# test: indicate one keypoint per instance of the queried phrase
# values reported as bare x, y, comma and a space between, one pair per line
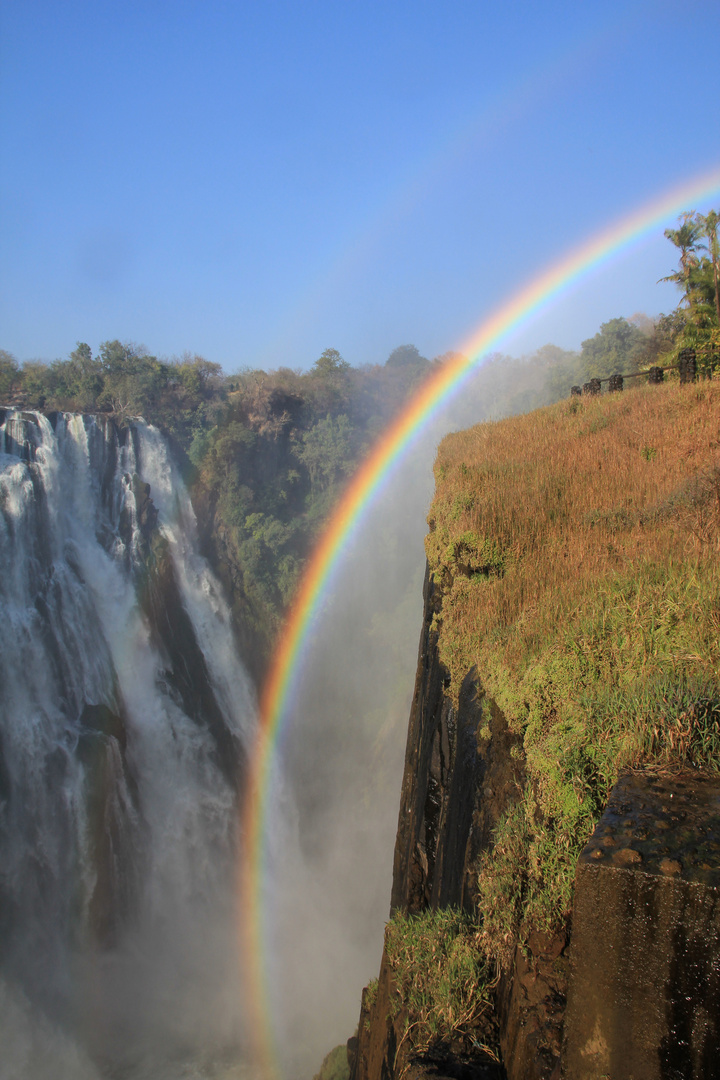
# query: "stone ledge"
644, 994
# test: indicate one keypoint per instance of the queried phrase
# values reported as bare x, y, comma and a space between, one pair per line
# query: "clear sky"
258, 181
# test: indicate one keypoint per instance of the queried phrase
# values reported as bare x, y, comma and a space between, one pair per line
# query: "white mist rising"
343, 748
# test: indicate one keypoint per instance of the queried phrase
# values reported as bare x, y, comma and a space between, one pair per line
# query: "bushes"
444, 982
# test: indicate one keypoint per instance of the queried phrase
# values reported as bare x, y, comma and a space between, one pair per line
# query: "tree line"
267, 452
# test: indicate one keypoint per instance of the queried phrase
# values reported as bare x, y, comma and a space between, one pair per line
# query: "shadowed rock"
644, 995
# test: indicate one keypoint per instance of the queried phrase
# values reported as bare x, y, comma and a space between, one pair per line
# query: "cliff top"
576, 550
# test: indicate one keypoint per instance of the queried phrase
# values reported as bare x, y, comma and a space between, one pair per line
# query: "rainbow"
287, 661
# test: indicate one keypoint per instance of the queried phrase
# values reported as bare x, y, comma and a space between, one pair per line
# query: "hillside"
571, 633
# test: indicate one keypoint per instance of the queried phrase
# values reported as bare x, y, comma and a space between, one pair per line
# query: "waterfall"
124, 717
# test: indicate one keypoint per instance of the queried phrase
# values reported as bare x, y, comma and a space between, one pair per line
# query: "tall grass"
444, 985
577, 549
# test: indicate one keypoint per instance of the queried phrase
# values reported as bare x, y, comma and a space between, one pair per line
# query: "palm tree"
686, 239
709, 228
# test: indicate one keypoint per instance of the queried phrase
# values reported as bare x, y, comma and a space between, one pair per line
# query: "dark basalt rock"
185, 672
460, 778
457, 783
111, 804
644, 997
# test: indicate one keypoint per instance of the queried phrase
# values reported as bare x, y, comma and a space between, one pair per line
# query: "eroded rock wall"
463, 770
456, 784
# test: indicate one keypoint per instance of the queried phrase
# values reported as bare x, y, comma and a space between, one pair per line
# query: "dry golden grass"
568, 494
577, 550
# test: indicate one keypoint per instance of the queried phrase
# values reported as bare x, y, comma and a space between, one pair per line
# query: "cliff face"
459, 778
464, 770
569, 637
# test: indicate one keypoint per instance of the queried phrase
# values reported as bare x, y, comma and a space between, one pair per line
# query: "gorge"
568, 639
560, 782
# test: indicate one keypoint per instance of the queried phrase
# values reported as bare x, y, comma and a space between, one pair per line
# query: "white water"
118, 828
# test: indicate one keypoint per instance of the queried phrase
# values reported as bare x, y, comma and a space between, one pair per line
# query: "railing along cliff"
686, 366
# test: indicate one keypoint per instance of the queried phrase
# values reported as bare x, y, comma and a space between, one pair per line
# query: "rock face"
456, 783
463, 770
644, 997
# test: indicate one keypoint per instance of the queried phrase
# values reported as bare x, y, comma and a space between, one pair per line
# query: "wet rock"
644, 993
460, 778
670, 867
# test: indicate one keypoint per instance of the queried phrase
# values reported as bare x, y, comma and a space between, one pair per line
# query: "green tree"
709, 227
325, 450
133, 380
80, 379
563, 369
406, 356
330, 362
37, 383
617, 347
9, 371
685, 238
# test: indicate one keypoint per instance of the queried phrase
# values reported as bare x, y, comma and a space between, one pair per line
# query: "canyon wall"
569, 642
461, 776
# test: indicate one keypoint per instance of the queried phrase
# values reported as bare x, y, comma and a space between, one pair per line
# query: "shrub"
444, 981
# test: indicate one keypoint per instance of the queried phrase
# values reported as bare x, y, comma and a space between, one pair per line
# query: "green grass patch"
444, 980
630, 678
335, 1065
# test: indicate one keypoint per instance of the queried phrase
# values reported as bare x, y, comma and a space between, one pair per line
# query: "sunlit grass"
444, 984
577, 549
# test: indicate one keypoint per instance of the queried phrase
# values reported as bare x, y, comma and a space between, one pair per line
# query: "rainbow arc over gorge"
363, 486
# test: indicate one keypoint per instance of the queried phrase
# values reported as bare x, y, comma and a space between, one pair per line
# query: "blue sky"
259, 181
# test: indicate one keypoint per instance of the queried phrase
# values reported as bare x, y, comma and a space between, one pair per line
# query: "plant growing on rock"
443, 978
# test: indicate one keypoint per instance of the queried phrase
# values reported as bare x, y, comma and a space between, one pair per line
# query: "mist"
342, 751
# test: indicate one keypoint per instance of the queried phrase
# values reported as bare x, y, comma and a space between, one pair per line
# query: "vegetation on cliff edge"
269, 452
444, 985
577, 548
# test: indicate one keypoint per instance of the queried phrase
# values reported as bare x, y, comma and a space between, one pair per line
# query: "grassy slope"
578, 551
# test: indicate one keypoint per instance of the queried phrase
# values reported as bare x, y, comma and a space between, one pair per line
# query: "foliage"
370, 995
330, 363
617, 347
698, 278
9, 371
444, 981
595, 624
335, 1065
407, 356
371, 992
325, 450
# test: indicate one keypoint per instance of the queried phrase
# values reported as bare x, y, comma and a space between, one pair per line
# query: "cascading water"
124, 714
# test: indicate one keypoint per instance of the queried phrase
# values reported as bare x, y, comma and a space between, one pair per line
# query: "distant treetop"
330, 362
406, 356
